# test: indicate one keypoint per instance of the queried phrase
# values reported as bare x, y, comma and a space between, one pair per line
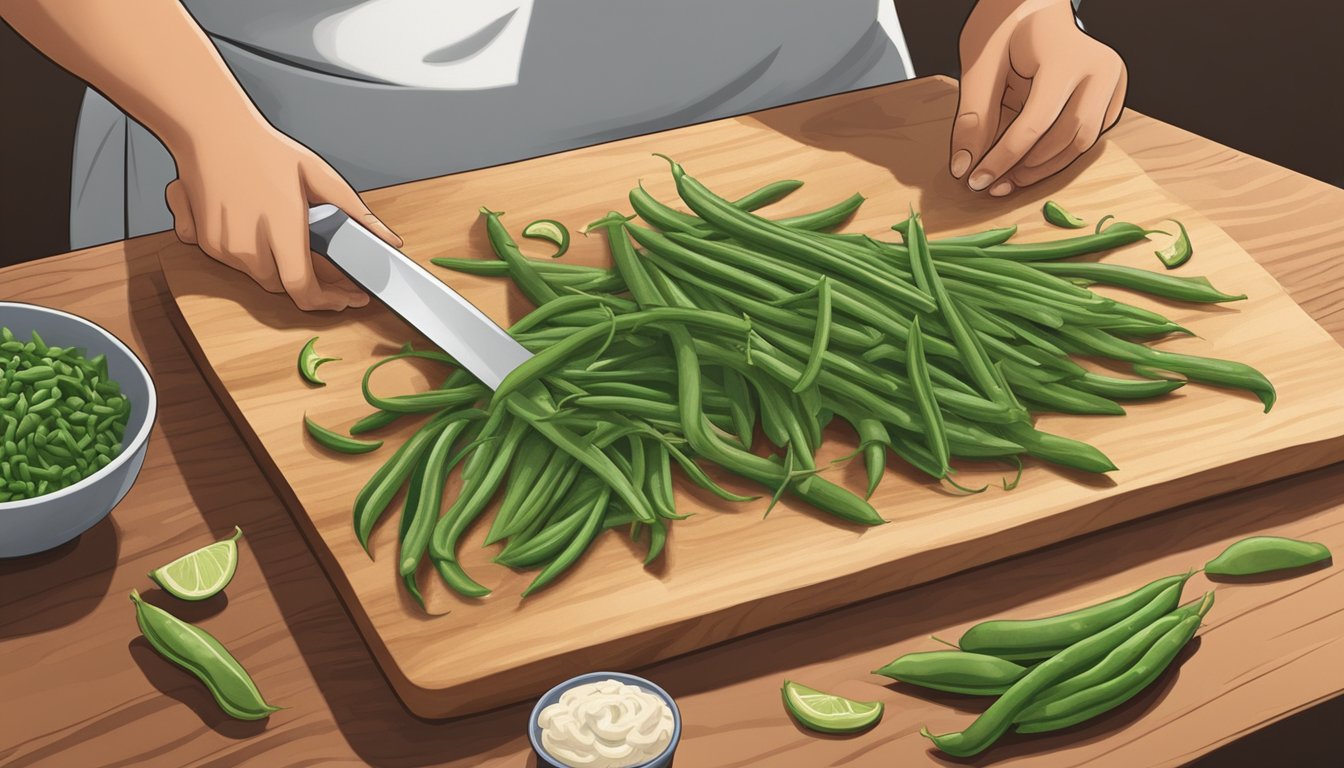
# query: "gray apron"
389, 91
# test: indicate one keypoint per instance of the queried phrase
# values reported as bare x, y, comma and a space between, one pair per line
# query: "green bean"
377, 493
1263, 554
742, 406
424, 498
1061, 396
934, 430
1207, 370
972, 354
564, 304
533, 457
861, 337
848, 299
62, 419
820, 493
567, 517
198, 652
820, 338
1125, 389
657, 540
998, 718
576, 547
1193, 289
714, 270
423, 401
667, 218
973, 674
563, 352
475, 495
754, 229
529, 280
557, 274
374, 421
338, 442
825, 219
1114, 236
1117, 661
995, 236
529, 405
1060, 450
768, 194
539, 508
873, 441
1034, 638
1105, 696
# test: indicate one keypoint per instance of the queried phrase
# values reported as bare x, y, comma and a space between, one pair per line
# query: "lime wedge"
829, 714
203, 573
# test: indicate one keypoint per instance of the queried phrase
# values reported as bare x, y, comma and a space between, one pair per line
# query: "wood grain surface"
82, 690
728, 572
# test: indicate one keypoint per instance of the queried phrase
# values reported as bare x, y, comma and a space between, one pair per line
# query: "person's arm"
1026, 64
243, 187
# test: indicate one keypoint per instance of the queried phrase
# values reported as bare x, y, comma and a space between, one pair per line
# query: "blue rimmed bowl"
662, 760
33, 525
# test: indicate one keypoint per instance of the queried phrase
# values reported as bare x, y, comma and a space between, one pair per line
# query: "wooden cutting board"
727, 571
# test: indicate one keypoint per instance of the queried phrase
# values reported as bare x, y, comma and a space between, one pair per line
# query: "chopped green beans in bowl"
76, 409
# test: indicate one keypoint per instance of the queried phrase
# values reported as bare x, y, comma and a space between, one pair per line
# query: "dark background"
1264, 77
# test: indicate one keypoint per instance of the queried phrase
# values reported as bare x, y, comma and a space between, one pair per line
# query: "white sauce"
607, 724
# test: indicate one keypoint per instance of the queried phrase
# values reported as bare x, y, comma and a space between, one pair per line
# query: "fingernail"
980, 180
960, 162
1001, 189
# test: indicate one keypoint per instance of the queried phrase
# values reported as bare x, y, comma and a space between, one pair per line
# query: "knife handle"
323, 221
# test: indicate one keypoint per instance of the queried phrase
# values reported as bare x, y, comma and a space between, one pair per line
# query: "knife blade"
419, 298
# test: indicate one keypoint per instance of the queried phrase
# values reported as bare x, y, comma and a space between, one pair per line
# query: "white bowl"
34, 525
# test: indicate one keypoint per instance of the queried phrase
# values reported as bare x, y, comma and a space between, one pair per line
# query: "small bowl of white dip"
605, 720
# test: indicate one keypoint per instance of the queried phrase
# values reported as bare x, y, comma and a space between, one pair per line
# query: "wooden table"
81, 688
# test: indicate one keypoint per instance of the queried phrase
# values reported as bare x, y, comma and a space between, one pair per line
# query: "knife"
419, 298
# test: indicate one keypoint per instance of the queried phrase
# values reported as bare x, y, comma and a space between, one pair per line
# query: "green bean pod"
377, 493
973, 674
1125, 389
1117, 661
1263, 554
999, 717
1207, 370
934, 429
1193, 289
780, 238
592, 525
374, 421
1035, 638
527, 277
338, 442
427, 498
199, 653
1105, 696
1114, 236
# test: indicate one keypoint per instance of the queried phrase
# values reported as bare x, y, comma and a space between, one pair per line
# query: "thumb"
184, 224
327, 186
977, 120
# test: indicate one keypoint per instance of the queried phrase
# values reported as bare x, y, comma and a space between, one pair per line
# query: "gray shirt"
389, 91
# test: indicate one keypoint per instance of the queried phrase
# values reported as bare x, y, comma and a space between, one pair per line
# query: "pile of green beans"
61, 416
1059, 671
1055, 672
716, 327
